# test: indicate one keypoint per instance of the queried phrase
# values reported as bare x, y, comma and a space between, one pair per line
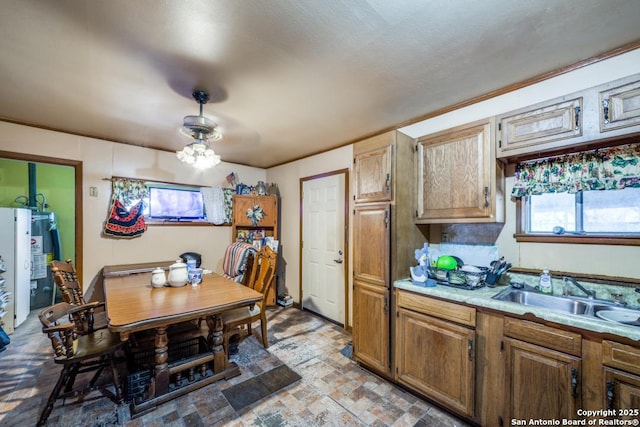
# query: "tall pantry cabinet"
384, 240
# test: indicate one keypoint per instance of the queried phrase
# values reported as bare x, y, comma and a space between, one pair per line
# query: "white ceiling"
287, 78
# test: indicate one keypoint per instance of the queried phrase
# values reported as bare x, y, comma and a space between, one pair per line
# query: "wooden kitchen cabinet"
244, 230
384, 240
622, 392
242, 223
492, 367
434, 354
372, 238
620, 106
371, 286
594, 115
543, 371
459, 180
371, 326
553, 123
373, 175
621, 367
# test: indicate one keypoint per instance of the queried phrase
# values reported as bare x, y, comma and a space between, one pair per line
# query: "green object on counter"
447, 262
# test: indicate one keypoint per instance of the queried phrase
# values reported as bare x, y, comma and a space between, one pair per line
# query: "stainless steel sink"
524, 297
572, 305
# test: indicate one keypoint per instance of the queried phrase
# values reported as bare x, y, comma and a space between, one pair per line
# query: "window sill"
592, 239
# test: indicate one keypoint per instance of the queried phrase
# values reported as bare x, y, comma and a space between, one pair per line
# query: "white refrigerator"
15, 249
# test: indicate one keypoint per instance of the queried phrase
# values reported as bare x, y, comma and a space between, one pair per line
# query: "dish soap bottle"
545, 282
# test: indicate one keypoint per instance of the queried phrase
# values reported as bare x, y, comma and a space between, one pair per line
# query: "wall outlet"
93, 191
445, 237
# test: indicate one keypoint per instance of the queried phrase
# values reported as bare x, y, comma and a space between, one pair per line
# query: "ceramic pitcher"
178, 274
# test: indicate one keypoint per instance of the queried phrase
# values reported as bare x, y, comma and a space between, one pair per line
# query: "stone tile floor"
334, 390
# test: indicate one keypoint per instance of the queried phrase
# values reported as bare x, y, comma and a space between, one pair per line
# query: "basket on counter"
459, 278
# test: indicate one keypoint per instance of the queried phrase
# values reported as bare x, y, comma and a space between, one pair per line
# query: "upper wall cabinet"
554, 123
459, 180
243, 225
620, 107
604, 112
372, 164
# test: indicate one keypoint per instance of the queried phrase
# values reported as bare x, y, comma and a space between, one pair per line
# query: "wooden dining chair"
78, 354
261, 279
66, 279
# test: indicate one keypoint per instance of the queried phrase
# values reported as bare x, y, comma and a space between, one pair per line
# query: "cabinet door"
240, 206
373, 175
540, 381
242, 203
540, 126
371, 243
622, 392
437, 359
620, 107
457, 176
371, 326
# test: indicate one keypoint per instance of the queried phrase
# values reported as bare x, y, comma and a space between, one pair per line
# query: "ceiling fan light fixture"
199, 154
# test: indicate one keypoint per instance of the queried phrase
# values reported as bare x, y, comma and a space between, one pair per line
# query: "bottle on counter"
545, 282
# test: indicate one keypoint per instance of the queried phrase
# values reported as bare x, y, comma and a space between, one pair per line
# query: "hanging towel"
214, 204
125, 224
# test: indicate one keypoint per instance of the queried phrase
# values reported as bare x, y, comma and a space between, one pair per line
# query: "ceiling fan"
201, 129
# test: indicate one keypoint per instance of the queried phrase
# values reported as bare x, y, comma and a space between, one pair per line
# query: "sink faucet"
590, 294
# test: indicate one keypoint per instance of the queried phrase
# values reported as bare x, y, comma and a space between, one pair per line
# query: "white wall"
288, 179
104, 159
608, 260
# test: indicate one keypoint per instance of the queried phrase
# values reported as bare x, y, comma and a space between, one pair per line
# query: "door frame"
77, 167
346, 236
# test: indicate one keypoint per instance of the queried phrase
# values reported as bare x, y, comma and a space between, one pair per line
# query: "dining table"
133, 306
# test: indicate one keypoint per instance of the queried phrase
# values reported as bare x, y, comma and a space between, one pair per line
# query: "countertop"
482, 297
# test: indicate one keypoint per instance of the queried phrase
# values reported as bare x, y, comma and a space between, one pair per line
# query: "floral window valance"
604, 169
122, 222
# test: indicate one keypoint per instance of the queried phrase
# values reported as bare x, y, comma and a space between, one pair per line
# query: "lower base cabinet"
540, 382
436, 358
543, 371
621, 379
622, 393
435, 350
493, 368
371, 326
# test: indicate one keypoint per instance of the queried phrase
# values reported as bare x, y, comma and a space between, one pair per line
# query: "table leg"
161, 359
220, 362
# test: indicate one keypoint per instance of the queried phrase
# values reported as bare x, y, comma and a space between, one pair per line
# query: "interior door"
323, 246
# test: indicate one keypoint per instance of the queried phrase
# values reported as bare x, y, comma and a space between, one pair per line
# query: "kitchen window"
614, 212
589, 197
